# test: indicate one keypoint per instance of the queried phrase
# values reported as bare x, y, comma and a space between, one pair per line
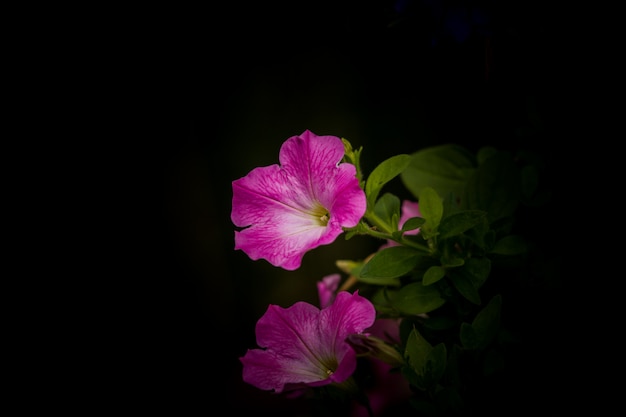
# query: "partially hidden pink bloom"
288, 209
391, 387
326, 289
409, 209
304, 346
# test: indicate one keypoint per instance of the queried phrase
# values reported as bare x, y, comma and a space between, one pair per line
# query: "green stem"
415, 245
378, 222
364, 228
380, 235
387, 236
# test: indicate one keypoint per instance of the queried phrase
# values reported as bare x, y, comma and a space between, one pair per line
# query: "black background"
207, 93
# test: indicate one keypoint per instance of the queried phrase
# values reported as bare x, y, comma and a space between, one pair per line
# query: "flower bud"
368, 345
347, 266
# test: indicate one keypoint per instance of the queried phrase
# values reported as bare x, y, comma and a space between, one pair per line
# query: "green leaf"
487, 321
397, 235
478, 270
431, 209
469, 339
416, 298
416, 351
435, 365
427, 363
484, 327
445, 168
464, 285
510, 245
387, 208
412, 224
433, 274
360, 229
459, 222
380, 299
481, 234
449, 260
409, 374
495, 187
485, 153
392, 262
383, 173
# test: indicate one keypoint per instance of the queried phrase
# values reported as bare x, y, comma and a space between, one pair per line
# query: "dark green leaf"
387, 208
463, 284
433, 274
487, 321
388, 263
383, 173
495, 187
431, 209
413, 223
469, 338
397, 235
485, 153
445, 168
435, 365
478, 270
480, 234
449, 260
510, 245
416, 351
459, 222
409, 374
415, 298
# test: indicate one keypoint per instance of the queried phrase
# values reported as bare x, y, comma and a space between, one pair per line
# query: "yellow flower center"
321, 214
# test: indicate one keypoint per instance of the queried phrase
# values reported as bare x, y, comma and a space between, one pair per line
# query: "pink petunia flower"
409, 209
287, 210
304, 346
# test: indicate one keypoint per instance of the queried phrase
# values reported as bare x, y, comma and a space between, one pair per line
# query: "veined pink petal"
304, 345
287, 210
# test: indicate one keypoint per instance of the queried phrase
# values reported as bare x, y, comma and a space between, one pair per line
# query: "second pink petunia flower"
288, 209
303, 346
